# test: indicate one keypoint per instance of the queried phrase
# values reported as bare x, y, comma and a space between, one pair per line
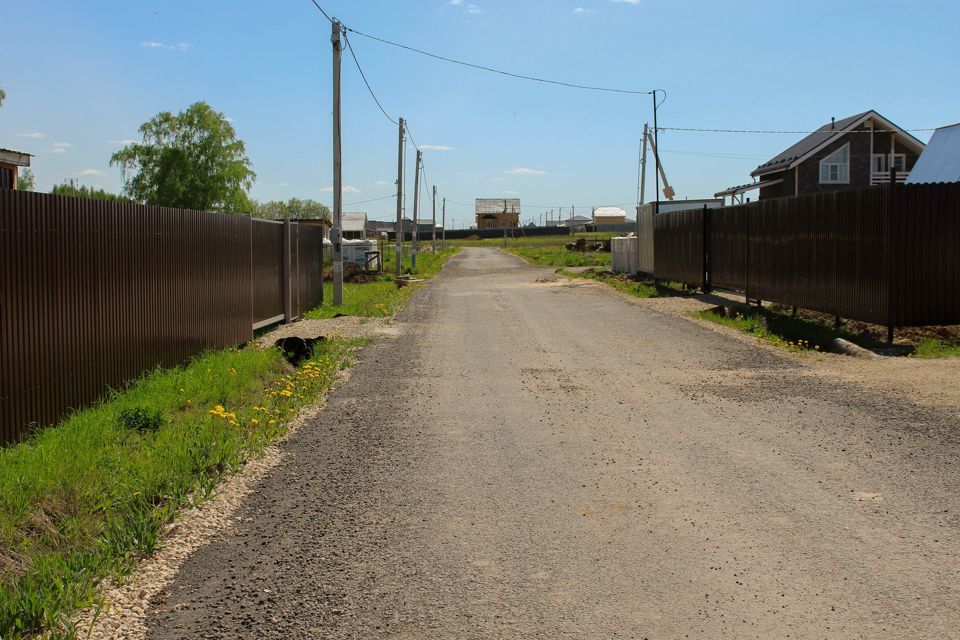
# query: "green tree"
294, 208
26, 181
3, 96
191, 160
67, 189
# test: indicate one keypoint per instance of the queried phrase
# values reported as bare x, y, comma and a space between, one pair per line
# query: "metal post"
399, 229
642, 189
287, 273
890, 253
443, 238
337, 231
416, 211
656, 157
433, 236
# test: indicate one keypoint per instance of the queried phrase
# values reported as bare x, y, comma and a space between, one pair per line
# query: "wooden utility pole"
399, 228
416, 210
433, 237
443, 237
337, 231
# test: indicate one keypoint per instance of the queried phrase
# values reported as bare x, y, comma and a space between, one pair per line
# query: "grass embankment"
381, 298
548, 251
632, 285
811, 331
83, 500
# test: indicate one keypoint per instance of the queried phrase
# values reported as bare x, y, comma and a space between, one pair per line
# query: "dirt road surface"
547, 460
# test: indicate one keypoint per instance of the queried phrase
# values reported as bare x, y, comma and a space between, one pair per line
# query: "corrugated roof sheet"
940, 161
354, 221
497, 205
606, 212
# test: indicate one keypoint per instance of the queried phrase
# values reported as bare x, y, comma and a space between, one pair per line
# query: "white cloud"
34, 136
346, 189
436, 147
156, 44
582, 10
627, 1
123, 142
92, 172
63, 145
526, 171
456, 2
381, 183
474, 9
281, 184
58, 150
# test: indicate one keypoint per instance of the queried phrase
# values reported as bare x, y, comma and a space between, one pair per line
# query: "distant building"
376, 227
940, 160
10, 163
853, 152
577, 223
609, 215
496, 213
354, 225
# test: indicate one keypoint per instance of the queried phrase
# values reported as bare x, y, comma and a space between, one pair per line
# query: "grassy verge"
382, 298
783, 330
932, 348
82, 501
632, 285
811, 331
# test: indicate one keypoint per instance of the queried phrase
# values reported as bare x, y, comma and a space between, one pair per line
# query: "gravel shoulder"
532, 459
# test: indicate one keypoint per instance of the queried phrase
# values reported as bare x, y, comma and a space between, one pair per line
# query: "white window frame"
884, 162
824, 162
892, 162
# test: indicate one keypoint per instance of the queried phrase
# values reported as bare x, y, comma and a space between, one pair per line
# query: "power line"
321, 10
350, 204
481, 67
775, 132
497, 71
717, 155
363, 75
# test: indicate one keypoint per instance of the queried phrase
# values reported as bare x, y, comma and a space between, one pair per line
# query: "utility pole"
399, 228
433, 238
656, 157
642, 188
443, 238
337, 231
416, 211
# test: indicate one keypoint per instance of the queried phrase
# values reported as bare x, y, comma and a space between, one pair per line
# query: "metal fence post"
707, 248
287, 292
891, 205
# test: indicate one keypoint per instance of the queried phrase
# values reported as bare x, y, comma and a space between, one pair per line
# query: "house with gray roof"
940, 161
857, 151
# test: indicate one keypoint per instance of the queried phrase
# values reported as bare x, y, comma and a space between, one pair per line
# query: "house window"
881, 162
835, 168
899, 162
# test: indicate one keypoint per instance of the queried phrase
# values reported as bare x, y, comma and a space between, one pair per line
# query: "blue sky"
85, 75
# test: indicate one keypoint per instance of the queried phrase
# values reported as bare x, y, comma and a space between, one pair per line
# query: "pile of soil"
354, 273
589, 247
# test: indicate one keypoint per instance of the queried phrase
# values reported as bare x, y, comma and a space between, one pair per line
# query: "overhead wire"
365, 81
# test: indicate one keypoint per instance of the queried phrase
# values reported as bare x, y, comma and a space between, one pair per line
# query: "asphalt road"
541, 460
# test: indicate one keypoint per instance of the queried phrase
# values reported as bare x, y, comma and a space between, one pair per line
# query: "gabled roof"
496, 205
940, 161
827, 134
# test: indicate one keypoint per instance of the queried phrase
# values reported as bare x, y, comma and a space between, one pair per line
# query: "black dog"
296, 349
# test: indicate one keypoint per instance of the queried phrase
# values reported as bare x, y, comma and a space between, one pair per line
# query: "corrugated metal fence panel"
93, 294
310, 241
926, 235
266, 249
646, 234
728, 247
678, 246
862, 272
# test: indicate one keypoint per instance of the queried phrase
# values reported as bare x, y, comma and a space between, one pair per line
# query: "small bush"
141, 419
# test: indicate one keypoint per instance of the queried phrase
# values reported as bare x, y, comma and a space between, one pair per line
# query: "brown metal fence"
94, 294
886, 255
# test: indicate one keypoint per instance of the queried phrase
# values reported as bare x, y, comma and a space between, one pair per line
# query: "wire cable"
776, 132
364, 76
322, 11
350, 204
497, 71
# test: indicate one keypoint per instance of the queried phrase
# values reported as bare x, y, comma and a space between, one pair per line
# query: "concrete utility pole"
443, 237
337, 231
399, 228
642, 188
416, 210
433, 238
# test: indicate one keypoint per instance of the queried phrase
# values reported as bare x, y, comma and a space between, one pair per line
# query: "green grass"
631, 286
783, 330
547, 250
383, 298
84, 500
932, 348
